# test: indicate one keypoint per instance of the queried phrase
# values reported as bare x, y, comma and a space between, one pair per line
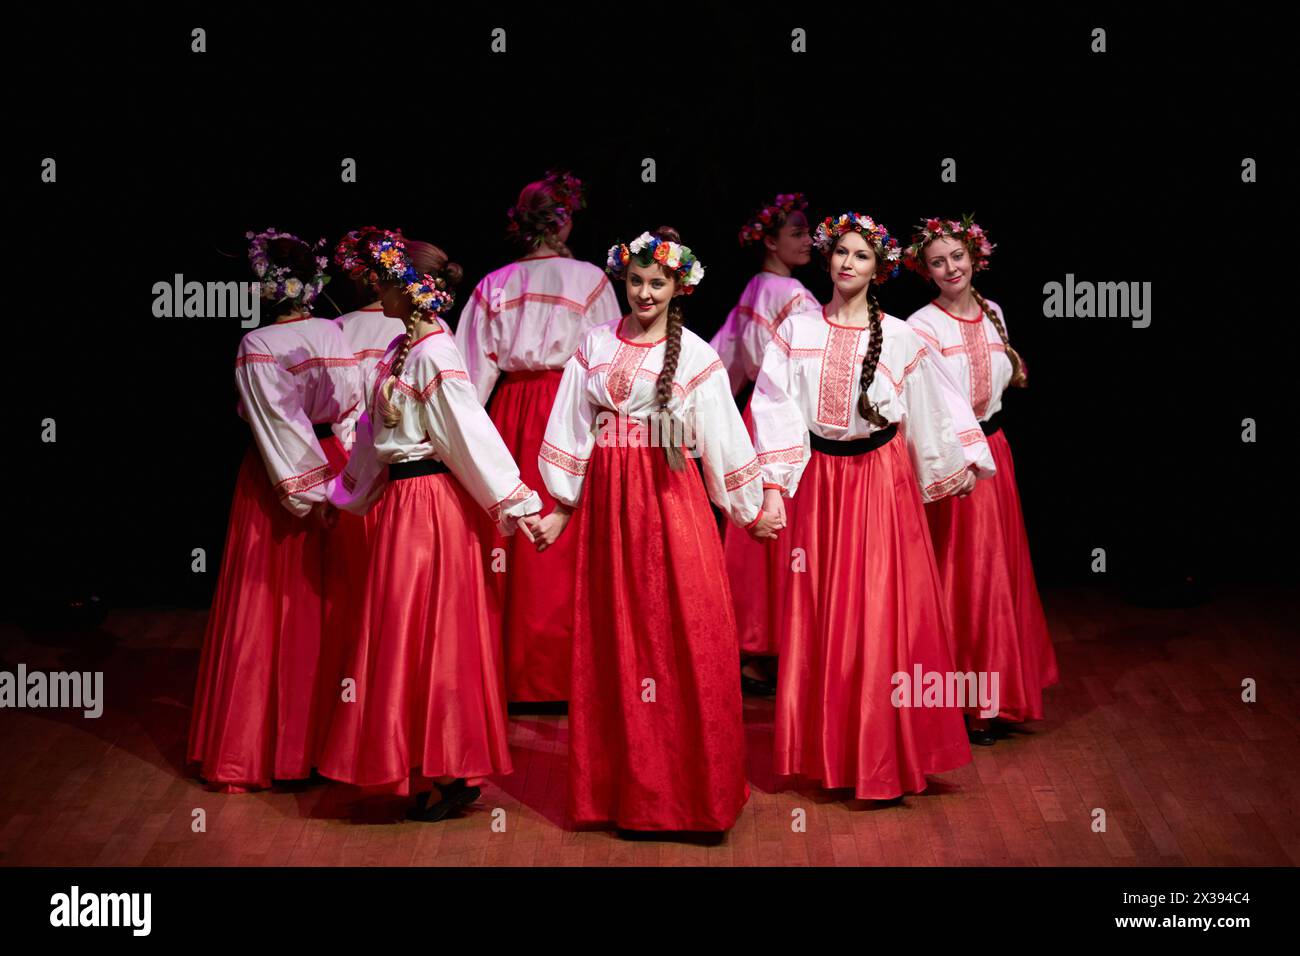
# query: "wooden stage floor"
1147, 724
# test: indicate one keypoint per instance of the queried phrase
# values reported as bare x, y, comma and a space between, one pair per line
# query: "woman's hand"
528, 524
551, 527
968, 483
323, 515
774, 504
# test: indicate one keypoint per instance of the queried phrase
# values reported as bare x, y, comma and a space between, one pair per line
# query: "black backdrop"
1122, 166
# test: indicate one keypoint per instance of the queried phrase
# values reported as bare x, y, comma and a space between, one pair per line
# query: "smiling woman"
852, 413
655, 740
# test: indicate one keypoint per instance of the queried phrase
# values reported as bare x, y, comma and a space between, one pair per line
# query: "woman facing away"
429, 699
258, 703
520, 326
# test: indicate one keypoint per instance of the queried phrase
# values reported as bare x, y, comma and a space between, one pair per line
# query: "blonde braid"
390, 413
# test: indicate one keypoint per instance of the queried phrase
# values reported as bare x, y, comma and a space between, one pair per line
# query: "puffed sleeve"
474, 338
780, 432
726, 342
731, 472
943, 436
605, 307
757, 332
570, 435
467, 441
345, 377
281, 430
364, 477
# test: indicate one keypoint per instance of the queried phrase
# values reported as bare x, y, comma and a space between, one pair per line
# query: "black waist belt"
323, 429
994, 424
856, 446
416, 469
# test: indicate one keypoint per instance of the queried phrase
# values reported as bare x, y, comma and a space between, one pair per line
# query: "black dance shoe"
453, 796
983, 738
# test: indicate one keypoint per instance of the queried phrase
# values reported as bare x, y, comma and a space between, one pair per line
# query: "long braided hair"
672, 352
1018, 376
427, 259
867, 408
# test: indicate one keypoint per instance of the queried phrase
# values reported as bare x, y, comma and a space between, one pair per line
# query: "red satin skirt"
988, 579
869, 605
532, 598
655, 734
257, 705
756, 570
429, 694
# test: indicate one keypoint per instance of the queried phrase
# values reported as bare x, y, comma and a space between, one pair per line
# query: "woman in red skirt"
779, 233
853, 413
979, 541
257, 705
525, 320
655, 735
429, 697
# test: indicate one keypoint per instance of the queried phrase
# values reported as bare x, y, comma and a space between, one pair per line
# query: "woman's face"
397, 304
793, 244
949, 265
853, 263
648, 291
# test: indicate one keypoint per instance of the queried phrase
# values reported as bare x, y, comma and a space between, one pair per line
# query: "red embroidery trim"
743, 475
714, 366
432, 386
520, 493
836, 382
563, 460
253, 357
623, 370
943, 486
323, 363
972, 436
977, 353
783, 456
304, 482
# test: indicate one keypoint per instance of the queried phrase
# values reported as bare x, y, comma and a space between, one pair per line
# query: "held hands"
968, 483
528, 524
773, 518
548, 529
323, 515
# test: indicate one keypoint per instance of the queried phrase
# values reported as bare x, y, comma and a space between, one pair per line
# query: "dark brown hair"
867, 408
672, 352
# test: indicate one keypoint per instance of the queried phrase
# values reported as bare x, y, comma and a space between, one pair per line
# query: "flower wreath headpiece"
967, 232
429, 293
647, 249
784, 204
278, 282
832, 227
354, 260
569, 194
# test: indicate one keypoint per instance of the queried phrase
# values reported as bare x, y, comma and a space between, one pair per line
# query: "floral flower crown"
832, 227
776, 211
967, 232
390, 261
354, 260
648, 249
570, 196
279, 282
